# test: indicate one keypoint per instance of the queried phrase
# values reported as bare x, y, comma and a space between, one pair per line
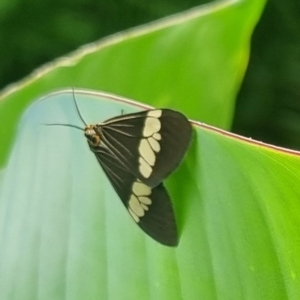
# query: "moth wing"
151, 144
151, 208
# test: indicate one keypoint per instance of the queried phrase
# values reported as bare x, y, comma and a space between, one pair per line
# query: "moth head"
92, 135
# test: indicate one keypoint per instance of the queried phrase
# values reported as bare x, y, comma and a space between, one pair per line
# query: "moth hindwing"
150, 144
151, 208
137, 152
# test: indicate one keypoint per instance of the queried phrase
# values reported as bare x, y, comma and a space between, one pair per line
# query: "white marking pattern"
144, 168
154, 144
146, 151
149, 145
139, 200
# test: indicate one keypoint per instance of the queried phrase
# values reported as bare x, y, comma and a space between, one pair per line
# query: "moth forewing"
169, 145
151, 143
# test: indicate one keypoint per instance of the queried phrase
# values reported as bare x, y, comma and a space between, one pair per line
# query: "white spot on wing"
154, 113
145, 200
145, 207
151, 126
144, 168
135, 206
146, 152
141, 189
157, 136
154, 144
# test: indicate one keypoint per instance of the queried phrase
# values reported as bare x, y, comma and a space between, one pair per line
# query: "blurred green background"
268, 105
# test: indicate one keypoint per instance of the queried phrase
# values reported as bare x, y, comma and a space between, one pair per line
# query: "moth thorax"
92, 135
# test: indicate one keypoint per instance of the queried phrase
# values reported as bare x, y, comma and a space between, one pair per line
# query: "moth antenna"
77, 108
70, 125
61, 124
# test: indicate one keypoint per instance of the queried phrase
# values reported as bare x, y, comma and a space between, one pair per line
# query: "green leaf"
66, 235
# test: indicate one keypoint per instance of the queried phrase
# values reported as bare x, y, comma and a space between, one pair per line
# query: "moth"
137, 152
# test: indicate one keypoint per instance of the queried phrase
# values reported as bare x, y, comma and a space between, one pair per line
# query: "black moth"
137, 152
